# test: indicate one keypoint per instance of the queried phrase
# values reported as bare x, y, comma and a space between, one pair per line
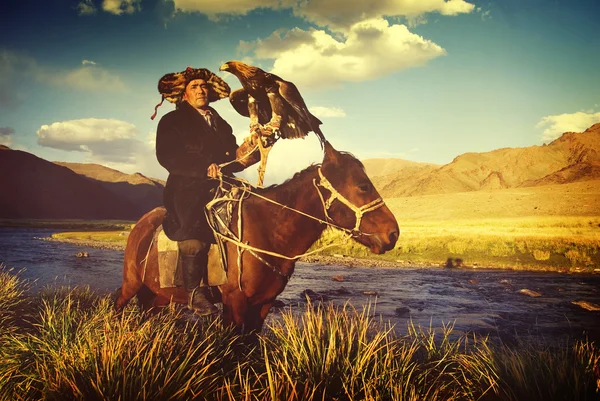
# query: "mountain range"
571, 158
35, 188
39, 189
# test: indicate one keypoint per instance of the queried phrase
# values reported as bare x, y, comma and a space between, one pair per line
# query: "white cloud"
372, 48
342, 14
111, 143
119, 7
559, 124
88, 62
320, 111
6, 136
218, 9
287, 157
86, 7
335, 14
103, 140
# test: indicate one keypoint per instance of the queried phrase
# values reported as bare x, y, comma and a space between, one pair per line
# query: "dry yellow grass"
575, 199
551, 227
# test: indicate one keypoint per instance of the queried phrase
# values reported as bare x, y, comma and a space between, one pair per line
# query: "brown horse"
337, 192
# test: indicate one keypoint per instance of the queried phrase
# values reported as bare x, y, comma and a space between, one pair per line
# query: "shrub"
538, 254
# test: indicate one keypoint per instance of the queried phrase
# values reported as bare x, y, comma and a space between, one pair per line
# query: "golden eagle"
271, 103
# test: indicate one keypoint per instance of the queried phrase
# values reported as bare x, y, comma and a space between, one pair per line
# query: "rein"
246, 190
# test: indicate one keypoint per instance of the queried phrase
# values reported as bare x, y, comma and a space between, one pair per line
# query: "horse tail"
136, 254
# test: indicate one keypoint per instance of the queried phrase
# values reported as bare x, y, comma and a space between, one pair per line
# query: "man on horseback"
191, 142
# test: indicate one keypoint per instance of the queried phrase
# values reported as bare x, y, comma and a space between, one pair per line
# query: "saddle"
169, 262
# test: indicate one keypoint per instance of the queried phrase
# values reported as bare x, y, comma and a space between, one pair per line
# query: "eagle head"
227, 66
240, 69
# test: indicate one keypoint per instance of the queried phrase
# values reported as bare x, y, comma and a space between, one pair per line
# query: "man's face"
196, 93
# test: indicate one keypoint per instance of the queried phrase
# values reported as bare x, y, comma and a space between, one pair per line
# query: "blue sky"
419, 80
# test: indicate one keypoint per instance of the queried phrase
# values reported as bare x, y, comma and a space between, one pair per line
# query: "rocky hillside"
571, 158
36, 188
140, 190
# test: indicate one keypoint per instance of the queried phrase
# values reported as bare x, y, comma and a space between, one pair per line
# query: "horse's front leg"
255, 317
235, 306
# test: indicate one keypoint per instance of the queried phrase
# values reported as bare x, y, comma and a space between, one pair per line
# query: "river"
483, 301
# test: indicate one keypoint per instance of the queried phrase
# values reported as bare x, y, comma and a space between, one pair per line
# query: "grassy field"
67, 343
108, 237
553, 243
551, 227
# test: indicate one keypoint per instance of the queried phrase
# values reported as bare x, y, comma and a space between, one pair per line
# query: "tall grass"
78, 348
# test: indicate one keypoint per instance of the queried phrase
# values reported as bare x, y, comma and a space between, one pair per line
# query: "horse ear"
330, 153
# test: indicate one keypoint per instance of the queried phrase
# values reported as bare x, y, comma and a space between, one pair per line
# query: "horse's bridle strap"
359, 211
323, 182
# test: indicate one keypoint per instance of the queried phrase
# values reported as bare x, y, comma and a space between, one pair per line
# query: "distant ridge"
36, 188
571, 158
142, 191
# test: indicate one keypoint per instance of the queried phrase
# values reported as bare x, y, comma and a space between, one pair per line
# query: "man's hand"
213, 171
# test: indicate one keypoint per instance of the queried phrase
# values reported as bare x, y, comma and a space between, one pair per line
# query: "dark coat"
186, 145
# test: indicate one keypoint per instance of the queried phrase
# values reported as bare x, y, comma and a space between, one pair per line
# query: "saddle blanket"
169, 263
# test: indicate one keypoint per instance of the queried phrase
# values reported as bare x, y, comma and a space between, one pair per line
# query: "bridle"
334, 194
323, 182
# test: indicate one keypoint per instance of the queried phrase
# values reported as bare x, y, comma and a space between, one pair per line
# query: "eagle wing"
239, 101
290, 94
291, 128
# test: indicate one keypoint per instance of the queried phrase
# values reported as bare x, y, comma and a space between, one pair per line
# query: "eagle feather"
271, 101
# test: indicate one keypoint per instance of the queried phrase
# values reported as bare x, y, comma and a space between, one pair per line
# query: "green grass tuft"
76, 347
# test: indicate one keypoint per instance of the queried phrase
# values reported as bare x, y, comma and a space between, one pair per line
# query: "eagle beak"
224, 67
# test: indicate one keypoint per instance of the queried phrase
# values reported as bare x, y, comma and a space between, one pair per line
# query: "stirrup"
201, 306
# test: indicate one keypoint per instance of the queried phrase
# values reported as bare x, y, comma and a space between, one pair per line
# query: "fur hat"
172, 86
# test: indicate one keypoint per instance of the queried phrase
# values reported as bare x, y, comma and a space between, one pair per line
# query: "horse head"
351, 201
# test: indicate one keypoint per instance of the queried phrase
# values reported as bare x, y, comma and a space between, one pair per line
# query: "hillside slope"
144, 192
571, 158
35, 188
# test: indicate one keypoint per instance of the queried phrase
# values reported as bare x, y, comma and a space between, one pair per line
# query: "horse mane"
285, 189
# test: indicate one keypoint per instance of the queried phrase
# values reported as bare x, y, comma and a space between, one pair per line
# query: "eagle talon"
268, 141
255, 129
270, 129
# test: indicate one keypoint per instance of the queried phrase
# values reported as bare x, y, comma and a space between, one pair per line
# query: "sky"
423, 80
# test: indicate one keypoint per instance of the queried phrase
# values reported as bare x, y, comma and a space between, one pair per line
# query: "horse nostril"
393, 236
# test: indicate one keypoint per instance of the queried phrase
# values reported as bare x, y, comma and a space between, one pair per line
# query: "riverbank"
117, 246
118, 241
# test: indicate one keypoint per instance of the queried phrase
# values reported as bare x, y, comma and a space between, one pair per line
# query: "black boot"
193, 268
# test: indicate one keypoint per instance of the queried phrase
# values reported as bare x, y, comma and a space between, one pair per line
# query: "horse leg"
132, 283
235, 306
255, 317
127, 291
146, 298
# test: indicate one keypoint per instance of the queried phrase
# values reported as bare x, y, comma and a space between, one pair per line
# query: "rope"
145, 260
358, 211
247, 190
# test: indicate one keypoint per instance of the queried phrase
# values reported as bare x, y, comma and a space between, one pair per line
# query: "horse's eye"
364, 187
